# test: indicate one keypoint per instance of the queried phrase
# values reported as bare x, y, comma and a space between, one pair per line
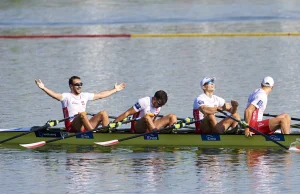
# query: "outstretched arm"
125, 114
107, 93
51, 93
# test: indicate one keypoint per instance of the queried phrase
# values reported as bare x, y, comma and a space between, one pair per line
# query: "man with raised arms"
206, 105
75, 102
257, 103
147, 109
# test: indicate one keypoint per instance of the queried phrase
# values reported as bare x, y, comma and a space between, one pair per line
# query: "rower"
257, 103
206, 105
75, 102
147, 108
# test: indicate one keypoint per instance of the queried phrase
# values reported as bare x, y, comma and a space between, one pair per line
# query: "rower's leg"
149, 122
101, 116
234, 123
224, 125
140, 125
85, 121
167, 120
77, 123
208, 123
282, 122
287, 124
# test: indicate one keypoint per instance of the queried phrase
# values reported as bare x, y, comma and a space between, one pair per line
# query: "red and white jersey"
259, 99
144, 106
72, 104
203, 99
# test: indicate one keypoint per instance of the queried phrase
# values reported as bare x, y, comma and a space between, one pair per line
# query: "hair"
72, 78
161, 95
265, 85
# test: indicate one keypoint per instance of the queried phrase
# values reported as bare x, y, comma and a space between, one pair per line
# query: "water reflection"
188, 169
266, 167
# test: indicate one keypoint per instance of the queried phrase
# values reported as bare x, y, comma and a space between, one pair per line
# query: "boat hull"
188, 139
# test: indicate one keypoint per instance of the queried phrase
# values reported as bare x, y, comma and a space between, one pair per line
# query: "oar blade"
294, 149
108, 143
34, 145
295, 146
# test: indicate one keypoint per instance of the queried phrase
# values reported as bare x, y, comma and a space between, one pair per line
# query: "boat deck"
179, 139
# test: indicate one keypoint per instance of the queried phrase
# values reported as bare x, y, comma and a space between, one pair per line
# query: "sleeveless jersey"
142, 107
72, 105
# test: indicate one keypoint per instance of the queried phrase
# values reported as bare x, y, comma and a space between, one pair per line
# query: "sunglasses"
78, 84
210, 82
159, 103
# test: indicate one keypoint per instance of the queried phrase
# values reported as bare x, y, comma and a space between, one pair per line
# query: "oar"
295, 125
175, 126
270, 115
256, 131
182, 119
178, 118
109, 126
50, 123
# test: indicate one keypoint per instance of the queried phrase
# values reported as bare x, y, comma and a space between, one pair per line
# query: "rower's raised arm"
51, 93
106, 93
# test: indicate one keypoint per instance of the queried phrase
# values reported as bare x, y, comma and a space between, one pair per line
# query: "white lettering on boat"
214, 137
88, 135
48, 134
151, 137
211, 138
276, 137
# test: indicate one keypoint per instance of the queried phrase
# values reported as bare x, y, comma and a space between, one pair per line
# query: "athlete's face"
76, 86
157, 103
209, 86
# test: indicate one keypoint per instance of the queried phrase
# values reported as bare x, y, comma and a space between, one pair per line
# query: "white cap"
206, 79
268, 81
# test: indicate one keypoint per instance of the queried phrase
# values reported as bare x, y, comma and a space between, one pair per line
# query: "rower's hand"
234, 103
119, 87
248, 133
150, 114
40, 84
226, 106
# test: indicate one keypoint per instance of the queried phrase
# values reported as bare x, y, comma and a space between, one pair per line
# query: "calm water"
148, 170
146, 65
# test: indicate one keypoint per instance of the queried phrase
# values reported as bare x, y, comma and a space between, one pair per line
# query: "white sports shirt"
203, 99
72, 104
144, 106
259, 99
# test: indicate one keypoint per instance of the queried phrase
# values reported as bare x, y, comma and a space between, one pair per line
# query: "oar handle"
255, 130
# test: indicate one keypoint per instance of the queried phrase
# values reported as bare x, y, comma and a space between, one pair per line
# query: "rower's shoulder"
201, 96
